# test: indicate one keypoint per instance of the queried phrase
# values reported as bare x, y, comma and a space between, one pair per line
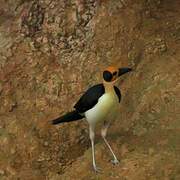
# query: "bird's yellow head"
112, 73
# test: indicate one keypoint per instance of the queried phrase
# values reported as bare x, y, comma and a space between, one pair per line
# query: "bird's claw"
115, 161
97, 169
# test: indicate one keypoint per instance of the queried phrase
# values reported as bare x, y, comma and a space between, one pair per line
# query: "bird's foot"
115, 161
97, 169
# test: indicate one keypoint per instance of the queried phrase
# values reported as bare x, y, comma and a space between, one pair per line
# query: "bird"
99, 106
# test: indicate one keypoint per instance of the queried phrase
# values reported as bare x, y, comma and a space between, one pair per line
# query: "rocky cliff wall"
52, 51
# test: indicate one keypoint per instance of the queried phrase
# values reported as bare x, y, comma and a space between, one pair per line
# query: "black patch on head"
107, 76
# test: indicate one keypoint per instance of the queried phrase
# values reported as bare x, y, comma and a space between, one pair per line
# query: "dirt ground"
52, 51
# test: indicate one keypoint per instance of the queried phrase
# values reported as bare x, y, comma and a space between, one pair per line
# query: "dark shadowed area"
51, 51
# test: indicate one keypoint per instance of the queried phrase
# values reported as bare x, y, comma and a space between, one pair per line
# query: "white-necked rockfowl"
100, 103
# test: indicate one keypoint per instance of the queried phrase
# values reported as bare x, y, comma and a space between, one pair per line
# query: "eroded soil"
52, 51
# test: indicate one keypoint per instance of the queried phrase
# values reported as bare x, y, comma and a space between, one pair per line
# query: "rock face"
52, 51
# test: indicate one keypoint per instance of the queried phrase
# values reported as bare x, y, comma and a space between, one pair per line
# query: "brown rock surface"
52, 51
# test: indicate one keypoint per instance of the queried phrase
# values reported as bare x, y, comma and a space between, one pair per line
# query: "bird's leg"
103, 134
92, 135
123, 2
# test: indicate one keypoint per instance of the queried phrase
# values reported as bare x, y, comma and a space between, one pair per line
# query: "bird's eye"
114, 73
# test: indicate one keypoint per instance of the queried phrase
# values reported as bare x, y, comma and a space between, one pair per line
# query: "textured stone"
52, 51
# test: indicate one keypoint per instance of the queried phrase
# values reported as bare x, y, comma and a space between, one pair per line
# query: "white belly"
105, 109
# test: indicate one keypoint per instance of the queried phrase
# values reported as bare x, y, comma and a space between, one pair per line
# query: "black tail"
68, 117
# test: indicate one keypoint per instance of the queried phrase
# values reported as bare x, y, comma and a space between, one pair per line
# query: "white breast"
105, 109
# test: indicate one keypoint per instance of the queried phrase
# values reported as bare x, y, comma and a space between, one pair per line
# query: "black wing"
118, 92
89, 98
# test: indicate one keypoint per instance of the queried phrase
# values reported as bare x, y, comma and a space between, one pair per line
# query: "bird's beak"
123, 71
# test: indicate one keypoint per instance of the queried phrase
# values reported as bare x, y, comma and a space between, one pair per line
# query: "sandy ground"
52, 51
